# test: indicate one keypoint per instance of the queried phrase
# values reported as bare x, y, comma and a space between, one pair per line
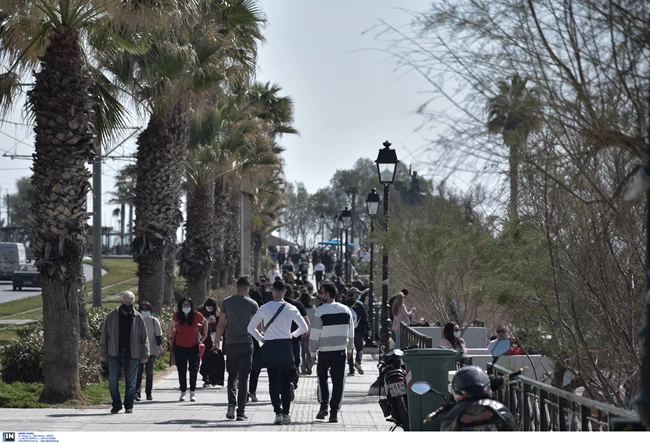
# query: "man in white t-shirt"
319, 271
276, 317
501, 334
272, 274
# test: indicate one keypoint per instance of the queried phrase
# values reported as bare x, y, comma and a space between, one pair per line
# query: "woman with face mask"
451, 338
184, 336
155, 344
211, 312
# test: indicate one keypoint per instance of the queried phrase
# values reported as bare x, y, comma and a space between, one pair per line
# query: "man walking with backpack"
332, 336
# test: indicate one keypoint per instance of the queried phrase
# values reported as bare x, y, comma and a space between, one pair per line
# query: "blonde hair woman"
400, 314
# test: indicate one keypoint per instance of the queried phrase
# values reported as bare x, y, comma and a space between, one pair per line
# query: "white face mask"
209, 308
145, 314
456, 334
187, 310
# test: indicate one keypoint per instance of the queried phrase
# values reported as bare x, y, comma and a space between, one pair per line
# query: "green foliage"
91, 369
22, 360
21, 395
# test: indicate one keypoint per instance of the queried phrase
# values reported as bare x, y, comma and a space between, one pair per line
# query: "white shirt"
319, 267
281, 326
272, 274
493, 343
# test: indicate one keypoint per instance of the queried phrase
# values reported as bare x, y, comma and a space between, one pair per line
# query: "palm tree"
70, 108
123, 196
177, 71
268, 203
513, 113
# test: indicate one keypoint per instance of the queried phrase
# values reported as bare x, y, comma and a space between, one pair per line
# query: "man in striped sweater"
332, 335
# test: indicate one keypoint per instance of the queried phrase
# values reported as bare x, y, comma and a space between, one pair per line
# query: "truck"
12, 255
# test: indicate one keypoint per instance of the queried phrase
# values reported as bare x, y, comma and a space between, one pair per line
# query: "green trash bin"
432, 366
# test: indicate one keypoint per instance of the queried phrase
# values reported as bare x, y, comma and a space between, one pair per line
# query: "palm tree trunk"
130, 225
196, 261
160, 160
122, 231
514, 184
257, 253
64, 145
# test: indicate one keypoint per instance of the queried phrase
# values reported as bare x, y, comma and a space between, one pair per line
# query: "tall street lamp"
339, 223
386, 168
346, 215
322, 228
372, 204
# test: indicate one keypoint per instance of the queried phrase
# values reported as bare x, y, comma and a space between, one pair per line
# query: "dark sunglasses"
501, 331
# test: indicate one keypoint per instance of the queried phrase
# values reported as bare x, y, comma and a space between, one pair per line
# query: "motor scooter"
471, 406
393, 389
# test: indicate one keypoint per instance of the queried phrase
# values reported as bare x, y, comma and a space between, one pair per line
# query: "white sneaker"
278, 419
206, 385
182, 397
192, 396
286, 420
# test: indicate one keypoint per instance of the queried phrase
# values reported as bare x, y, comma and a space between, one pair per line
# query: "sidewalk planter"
432, 366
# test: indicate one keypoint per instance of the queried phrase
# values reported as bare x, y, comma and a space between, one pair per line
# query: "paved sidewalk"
165, 413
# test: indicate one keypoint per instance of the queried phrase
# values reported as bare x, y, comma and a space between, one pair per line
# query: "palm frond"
9, 90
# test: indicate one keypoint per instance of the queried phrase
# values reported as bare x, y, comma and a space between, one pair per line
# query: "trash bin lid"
429, 352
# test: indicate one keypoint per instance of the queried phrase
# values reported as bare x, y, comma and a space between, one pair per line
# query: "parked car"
26, 276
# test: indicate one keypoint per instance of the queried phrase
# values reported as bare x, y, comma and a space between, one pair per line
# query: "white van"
11, 256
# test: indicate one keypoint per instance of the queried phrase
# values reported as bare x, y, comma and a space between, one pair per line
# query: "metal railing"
537, 406
411, 337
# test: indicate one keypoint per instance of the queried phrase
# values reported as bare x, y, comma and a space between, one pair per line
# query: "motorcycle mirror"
501, 347
420, 387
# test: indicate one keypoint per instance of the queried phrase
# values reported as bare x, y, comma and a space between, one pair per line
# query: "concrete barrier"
474, 337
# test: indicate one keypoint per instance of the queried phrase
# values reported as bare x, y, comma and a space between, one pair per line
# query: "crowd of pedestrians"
280, 323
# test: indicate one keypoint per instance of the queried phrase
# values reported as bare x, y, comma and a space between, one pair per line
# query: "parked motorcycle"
472, 407
392, 391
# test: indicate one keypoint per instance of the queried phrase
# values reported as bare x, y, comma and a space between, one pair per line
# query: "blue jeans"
115, 365
149, 383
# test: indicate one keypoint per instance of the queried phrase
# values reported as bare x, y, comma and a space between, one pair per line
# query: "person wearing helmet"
471, 382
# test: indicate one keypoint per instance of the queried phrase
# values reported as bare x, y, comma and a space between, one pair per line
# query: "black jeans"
149, 382
319, 278
239, 362
358, 345
187, 358
255, 374
295, 343
280, 389
334, 362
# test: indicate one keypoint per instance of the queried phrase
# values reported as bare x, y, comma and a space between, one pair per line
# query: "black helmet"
471, 381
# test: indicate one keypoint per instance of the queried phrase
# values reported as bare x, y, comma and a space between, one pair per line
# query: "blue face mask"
456, 334
187, 310
145, 314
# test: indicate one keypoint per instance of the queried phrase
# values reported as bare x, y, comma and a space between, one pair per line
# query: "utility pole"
97, 230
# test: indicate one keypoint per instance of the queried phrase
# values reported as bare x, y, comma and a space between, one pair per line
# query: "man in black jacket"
361, 328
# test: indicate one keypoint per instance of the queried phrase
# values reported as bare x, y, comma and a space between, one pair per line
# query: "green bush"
91, 369
21, 395
96, 317
22, 360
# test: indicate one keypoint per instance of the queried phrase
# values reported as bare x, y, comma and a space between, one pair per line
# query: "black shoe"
137, 397
252, 397
242, 417
350, 374
115, 410
334, 417
230, 415
149, 397
321, 414
129, 411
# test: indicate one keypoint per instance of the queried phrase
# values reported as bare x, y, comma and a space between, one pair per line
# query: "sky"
348, 98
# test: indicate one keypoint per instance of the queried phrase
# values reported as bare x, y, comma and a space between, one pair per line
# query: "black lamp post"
339, 223
322, 228
386, 168
642, 400
372, 204
346, 216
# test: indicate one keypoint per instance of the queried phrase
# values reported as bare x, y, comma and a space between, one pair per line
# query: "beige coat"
109, 341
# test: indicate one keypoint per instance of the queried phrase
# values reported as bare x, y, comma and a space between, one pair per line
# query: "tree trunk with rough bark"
170, 278
197, 255
64, 145
162, 149
514, 184
84, 328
